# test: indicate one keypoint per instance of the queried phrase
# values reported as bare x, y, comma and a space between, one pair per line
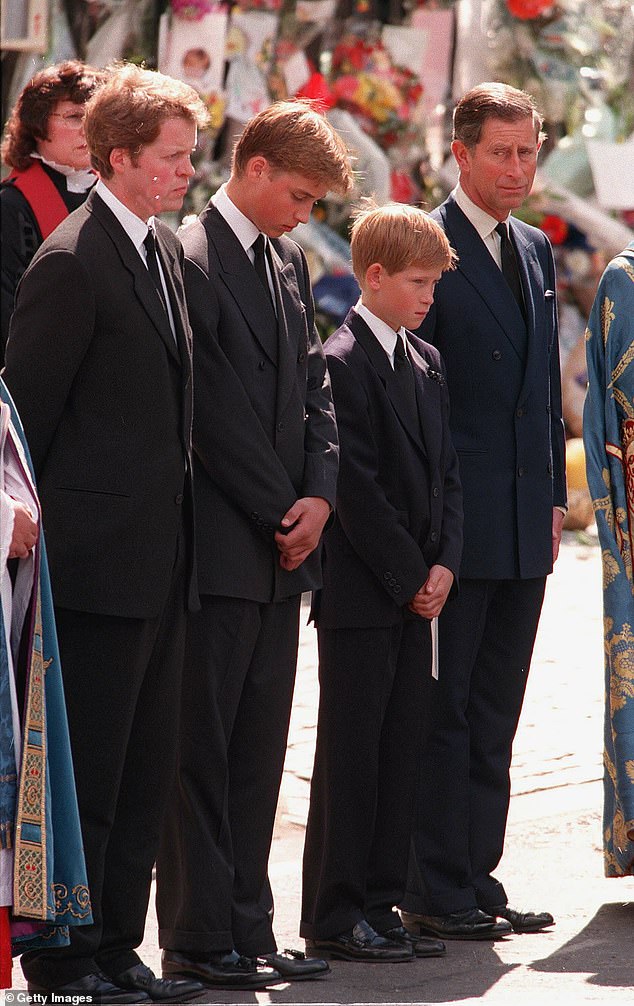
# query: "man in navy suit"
494, 321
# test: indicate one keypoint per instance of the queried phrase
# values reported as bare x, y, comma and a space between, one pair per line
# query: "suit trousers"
486, 637
213, 892
375, 689
122, 681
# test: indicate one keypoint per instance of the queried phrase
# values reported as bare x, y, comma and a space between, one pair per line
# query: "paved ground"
553, 859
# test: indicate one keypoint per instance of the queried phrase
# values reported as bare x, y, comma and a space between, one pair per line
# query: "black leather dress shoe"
471, 924
224, 971
295, 966
523, 922
423, 946
96, 986
362, 943
140, 978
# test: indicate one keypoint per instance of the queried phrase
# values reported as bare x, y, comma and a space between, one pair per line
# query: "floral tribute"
383, 97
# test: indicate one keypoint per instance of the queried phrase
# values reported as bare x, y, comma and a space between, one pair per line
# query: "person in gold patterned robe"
608, 432
42, 868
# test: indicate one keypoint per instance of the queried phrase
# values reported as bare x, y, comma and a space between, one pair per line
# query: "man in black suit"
494, 321
99, 360
389, 563
266, 453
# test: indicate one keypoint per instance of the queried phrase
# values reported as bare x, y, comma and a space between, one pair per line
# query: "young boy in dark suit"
390, 561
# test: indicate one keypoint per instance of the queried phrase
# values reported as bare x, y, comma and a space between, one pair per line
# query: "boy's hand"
430, 599
306, 519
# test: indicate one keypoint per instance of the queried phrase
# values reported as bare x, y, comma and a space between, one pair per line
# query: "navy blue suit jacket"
505, 388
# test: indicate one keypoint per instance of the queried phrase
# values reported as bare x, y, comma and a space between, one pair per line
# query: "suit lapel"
479, 269
239, 276
534, 298
380, 362
144, 288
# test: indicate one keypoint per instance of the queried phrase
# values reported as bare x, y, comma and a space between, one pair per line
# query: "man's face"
156, 180
497, 174
279, 200
405, 297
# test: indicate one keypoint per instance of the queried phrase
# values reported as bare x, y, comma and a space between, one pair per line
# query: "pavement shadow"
602, 950
467, 972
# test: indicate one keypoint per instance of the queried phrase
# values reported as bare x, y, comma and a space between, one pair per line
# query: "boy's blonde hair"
397, 236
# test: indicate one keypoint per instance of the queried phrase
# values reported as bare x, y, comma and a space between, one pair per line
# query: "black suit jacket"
264, 426
104, 393
399, 507
505, 387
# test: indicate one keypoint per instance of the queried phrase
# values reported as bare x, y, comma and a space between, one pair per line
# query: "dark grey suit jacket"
104, 393
264, 426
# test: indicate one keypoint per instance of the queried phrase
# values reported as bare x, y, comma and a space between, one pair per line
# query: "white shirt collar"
77, 179
135, 228
385, 336
483, 222
243, 228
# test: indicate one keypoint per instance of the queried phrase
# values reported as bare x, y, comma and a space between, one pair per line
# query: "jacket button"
178, 499
520, 471
434, 536
280, 427
519, 413
496, 354
435, 492
301, 357
261, 365
254, 515
397, 589
387, 575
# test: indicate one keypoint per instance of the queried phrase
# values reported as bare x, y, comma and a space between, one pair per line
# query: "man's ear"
461, 154
119, 159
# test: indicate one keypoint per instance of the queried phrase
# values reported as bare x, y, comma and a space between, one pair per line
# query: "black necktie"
405, 382
259, 250
509, 265
153, 267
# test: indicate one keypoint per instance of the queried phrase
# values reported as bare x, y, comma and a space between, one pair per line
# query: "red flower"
554, 228
527, 10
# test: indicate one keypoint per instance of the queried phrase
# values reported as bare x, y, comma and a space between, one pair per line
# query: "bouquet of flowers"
383, 97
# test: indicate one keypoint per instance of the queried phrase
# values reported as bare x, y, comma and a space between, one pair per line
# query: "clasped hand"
305, 519
430, 599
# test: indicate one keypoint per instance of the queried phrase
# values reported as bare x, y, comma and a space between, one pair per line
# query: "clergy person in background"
45, 147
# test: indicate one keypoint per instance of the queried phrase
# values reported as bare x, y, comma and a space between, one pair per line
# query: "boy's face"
279, 200
403, 298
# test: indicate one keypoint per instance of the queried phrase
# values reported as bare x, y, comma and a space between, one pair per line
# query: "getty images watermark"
20, 997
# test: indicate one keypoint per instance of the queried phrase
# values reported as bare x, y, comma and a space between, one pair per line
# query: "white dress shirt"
384, 335
137, 230
483, 223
